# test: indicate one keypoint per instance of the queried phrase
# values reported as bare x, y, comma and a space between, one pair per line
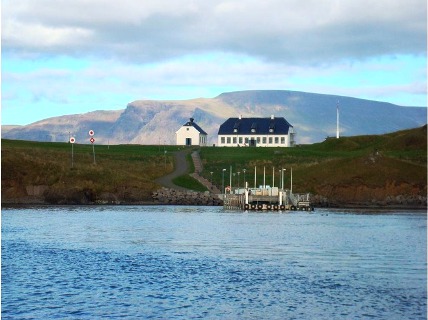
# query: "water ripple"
166, 263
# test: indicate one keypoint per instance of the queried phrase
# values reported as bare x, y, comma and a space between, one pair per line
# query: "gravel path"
180, 169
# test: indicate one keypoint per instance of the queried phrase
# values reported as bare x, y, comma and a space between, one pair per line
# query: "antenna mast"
337, 120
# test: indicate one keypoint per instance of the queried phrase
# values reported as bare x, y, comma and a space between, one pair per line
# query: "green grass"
372, 161
186, 180
190, 165
116, 168
189, 183
400, 157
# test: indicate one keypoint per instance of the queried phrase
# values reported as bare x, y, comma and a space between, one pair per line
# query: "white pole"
230, 179
273, 177
264, 177
337, 121
222, 183
255, 177
282, 178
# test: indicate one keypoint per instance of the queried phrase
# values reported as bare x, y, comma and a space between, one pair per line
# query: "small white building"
190, 134
256, 132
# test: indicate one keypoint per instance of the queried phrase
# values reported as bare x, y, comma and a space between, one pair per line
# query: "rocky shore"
389, 202
177, 197
43, 195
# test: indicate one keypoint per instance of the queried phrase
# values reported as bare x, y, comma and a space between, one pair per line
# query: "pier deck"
265, 199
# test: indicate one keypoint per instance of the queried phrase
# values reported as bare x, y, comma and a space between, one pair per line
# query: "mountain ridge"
313, 116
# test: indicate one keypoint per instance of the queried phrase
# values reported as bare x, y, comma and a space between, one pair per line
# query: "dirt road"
180, 169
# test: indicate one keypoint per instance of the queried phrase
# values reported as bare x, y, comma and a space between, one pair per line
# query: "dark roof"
260, 125
193, 124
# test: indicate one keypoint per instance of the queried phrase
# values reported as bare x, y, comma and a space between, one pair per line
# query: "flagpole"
337, 120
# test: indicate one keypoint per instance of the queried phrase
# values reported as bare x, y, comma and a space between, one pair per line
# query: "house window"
235, 130
283, 140
246, 140
228, 139
264, 140
258, 139
222, 140
187, 129
253, 130
270, 140
240, 140
276, 140
234, 140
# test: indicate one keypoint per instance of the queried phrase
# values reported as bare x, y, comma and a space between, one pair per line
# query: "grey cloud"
297, 32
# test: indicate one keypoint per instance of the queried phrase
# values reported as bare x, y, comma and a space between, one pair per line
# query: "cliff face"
155, 122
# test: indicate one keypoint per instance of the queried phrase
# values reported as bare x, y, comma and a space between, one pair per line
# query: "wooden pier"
267, 199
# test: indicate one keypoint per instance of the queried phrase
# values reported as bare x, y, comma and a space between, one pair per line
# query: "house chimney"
240, 116
191, 120
272, 117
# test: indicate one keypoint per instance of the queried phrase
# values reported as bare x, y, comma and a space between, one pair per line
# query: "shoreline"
23, 204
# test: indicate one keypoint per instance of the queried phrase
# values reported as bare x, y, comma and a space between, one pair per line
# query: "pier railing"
234, 201
265, 199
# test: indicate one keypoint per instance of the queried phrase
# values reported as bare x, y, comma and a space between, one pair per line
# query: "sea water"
177, 262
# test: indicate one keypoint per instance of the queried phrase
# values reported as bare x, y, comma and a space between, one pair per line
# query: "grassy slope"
349, 168
118, 169
187, 181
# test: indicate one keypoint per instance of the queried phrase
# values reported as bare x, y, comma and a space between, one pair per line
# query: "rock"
176, 197
36, 190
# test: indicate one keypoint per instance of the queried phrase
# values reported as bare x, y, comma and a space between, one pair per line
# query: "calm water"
202, 262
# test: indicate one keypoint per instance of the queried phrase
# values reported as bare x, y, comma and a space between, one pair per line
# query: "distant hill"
155, 122
7, 128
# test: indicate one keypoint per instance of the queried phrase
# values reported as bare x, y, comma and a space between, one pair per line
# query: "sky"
63, 57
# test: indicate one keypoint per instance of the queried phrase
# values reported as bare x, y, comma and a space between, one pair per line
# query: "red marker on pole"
92, 140
72, 141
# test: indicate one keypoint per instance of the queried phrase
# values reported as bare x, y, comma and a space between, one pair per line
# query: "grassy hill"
386, 169
381, 169
37, 170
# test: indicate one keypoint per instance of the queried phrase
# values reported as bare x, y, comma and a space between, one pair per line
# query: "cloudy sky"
73, 56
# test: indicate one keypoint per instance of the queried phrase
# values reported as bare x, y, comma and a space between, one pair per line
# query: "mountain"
312, 115
7, 128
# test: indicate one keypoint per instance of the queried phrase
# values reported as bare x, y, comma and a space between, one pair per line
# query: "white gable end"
188, 135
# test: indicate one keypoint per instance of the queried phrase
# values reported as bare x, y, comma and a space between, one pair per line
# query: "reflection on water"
171, 262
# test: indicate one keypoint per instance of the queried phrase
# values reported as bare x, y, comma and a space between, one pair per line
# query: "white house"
190, 134
257, 132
